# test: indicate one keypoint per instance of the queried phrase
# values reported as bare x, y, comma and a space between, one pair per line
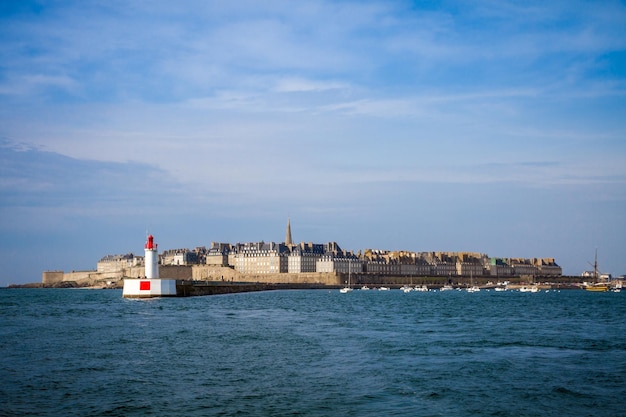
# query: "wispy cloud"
33, 178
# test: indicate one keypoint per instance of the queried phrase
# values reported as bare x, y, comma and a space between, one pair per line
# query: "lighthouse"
151, 285
151, 258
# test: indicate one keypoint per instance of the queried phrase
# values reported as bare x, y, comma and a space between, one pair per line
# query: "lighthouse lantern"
151, 259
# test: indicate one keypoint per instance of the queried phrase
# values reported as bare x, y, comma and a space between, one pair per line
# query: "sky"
496, 127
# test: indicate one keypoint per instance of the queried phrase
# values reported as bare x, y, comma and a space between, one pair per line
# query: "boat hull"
597, 288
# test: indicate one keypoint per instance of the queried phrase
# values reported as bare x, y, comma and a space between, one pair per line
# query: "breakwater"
199, 288
187, 273
230, 275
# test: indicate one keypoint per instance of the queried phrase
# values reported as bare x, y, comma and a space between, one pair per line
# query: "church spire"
288, 240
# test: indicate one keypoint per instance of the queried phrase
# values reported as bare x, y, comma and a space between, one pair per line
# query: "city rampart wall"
184, 272
215, 273
52, 277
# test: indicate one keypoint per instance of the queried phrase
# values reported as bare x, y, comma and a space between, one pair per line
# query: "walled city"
318, 263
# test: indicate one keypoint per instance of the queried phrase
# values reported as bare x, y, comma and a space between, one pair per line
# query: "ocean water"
313, 353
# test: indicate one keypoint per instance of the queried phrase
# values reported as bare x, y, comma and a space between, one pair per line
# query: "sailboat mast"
595, 267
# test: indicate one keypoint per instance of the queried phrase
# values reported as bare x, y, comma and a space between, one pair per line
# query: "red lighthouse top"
150, 243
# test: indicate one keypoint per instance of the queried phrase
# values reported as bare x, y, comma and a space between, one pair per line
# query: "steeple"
288, 240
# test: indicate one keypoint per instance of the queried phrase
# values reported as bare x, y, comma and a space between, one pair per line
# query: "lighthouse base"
149, 288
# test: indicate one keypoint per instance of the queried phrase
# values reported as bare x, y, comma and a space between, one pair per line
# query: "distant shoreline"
564, 282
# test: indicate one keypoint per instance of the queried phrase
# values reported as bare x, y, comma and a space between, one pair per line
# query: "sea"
80, 352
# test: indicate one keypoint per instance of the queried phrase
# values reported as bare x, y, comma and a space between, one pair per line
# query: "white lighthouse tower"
151, 258
151, 285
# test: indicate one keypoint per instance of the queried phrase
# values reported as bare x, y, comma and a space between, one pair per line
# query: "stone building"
498, 267
548, 267
116, 263
179, 257
261, 258
217, 254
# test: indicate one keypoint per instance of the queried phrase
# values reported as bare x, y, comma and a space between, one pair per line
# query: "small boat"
365, 288
384, 288
348, 288
422, 288
406, 288
472, 287
446, 288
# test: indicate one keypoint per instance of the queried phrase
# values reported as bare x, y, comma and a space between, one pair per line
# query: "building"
343, 265
179, 257
523, 266
116, 263
548, 267
498, 267
261, 258
304, 257
255, 258
218, 254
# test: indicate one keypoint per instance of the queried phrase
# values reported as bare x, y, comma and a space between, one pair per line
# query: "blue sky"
496, 127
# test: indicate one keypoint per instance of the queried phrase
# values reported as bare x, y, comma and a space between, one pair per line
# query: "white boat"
472, 288
529, 289
618, 287
365, 288
422, 288
406, 288
446, 288
500, 288
384, 288
348, 288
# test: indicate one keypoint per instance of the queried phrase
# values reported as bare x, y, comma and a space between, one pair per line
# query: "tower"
288, 241
151, 258
151, 285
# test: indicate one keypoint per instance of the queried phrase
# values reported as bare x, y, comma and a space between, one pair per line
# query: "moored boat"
406, 288
597, 287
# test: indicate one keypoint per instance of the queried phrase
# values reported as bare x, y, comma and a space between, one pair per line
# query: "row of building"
275, 258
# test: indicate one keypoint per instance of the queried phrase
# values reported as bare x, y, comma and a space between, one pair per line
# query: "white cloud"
295, 84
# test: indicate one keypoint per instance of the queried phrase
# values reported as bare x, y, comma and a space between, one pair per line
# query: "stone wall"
176, 272
52, 277
194, 272
78, 276
214, 273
